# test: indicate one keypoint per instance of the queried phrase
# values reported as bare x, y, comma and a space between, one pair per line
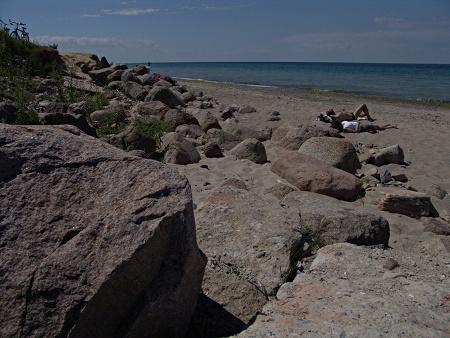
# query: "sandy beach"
422, 133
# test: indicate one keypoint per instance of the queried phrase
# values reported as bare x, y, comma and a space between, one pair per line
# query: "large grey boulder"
135, 90
79, 121
163, 83
176, 117
400, 201
250, 243
349, 292
310, 174
115, 75
243, 132
336, 152
140, 70
147, 79
46, 106
292, 137
99, 115
82, 108
188, 96
154, 108
329, 220
212, 149
94, 242
436, 225
250, 149
247, 110
225, 140
206, 120
7, 111
166, 96
133, 138
177, 150
100, 75
130, 76
192, 131
391, 154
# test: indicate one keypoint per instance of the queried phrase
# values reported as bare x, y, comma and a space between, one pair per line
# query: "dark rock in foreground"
93, 242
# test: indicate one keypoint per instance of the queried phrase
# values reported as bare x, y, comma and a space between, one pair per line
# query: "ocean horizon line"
320, 62
406, 81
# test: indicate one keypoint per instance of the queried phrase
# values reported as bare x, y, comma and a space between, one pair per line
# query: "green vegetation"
111, 124
22, 58
152, 129
20, 61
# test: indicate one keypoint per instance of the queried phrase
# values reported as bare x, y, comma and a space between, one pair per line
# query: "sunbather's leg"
386, 126
362, 111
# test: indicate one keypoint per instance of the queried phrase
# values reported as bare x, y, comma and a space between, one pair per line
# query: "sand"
422, 133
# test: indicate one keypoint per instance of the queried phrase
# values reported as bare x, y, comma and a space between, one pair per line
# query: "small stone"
390, 264
385, 176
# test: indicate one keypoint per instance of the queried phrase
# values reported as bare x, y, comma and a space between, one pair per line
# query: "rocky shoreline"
306, 231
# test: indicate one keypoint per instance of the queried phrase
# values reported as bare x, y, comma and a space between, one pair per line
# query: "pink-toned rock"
400, 201
310, 174
390, 264
329, 220
250, 149
292, 137
346, 293
93, 242
249, 243
336, 152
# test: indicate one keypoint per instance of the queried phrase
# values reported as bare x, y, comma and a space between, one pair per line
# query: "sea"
429, 82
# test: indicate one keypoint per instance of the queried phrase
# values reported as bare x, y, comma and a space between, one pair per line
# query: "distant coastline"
404, 81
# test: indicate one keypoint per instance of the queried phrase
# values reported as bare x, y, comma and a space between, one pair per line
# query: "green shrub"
111, 124
20, 58
153, 129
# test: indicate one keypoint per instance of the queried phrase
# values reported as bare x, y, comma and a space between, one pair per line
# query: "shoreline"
424, 102
422, 134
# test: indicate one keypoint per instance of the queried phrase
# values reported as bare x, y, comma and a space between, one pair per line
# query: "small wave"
227, 82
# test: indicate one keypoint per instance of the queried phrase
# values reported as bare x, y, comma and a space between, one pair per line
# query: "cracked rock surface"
93, 241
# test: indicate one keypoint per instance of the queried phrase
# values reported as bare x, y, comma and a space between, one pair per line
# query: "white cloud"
371, 39
214, 8
85, 16
80, 41
130, 11
412, 46
386, 20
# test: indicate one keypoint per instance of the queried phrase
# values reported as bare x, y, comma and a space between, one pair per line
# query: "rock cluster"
108, 221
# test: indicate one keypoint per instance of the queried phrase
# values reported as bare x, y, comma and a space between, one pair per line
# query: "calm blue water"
410, 81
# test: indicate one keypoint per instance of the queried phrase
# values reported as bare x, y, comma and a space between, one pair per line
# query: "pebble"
390, 264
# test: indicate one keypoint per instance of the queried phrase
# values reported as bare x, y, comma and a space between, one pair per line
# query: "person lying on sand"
361, 112
360, 127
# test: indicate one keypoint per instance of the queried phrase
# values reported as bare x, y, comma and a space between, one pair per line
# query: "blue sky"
398, 31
